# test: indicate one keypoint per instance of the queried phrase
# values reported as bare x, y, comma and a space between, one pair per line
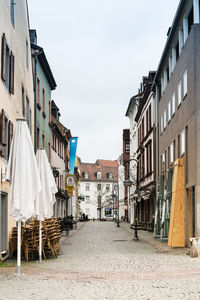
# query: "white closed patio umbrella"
46, 198
24, 179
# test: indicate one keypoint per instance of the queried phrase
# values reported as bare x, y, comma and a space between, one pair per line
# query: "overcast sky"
98, 51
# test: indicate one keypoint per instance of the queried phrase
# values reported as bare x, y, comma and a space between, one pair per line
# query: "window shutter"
11, 83
10, 135
3, 58
2, 132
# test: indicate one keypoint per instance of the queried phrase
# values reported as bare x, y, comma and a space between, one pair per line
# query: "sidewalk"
148, 237
65, 237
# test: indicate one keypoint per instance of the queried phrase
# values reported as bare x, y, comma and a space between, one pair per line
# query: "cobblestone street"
101, 261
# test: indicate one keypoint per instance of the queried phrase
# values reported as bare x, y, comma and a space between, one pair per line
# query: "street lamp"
128, 183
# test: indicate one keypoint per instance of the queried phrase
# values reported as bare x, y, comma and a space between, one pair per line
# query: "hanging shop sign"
70, 181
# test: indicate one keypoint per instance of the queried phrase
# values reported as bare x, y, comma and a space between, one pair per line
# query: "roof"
45, 66
107, 163
102, 166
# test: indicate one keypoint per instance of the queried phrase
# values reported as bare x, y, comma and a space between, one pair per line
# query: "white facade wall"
90, 208
17, 40
133, 155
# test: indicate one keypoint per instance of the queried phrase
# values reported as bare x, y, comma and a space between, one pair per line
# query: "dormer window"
98, 175
109, 175
85, 175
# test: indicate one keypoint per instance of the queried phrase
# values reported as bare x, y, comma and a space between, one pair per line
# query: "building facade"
131, 114
16, 95
178, 129
121, 186
126, 158
58, 162
145, 153
44, 83
96, 186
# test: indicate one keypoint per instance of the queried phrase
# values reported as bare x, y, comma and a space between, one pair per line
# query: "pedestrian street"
101, 261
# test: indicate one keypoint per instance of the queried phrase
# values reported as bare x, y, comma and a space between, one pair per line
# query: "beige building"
16, 95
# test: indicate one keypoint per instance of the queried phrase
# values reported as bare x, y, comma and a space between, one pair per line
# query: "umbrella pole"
40, 242
19, 248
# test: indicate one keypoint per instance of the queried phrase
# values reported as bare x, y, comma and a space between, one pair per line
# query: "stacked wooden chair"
51, 234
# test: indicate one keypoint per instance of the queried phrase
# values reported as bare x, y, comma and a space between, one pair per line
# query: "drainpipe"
35, 55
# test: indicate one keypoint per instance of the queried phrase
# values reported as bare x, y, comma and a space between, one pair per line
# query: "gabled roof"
103, 166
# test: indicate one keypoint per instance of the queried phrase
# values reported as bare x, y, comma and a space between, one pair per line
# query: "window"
173, 104
185, 83
99, 186
38, 91
49, 151
87, 199
12, 12
30, 122
163, 161
6, 153
150, 117
7, 66
164, 119
179, 93
169, 111
149, 157
38, 137
49, 111
27, 54
23, 103
27, 111
127, 146
86, 176
182, 143
142, 128
171, 153
99, 175
87, 187
43, 100
161, 124
110, 176
43, 141
147, 122
107, 187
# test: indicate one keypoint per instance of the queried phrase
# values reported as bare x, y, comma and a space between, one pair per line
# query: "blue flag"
72, 153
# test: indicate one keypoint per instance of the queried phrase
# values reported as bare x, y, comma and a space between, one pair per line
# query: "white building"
16, 94
131, 114
96, 184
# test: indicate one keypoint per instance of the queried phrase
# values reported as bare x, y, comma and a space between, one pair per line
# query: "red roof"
103, 166
107, 163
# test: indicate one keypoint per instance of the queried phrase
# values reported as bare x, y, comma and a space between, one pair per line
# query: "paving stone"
101, 261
